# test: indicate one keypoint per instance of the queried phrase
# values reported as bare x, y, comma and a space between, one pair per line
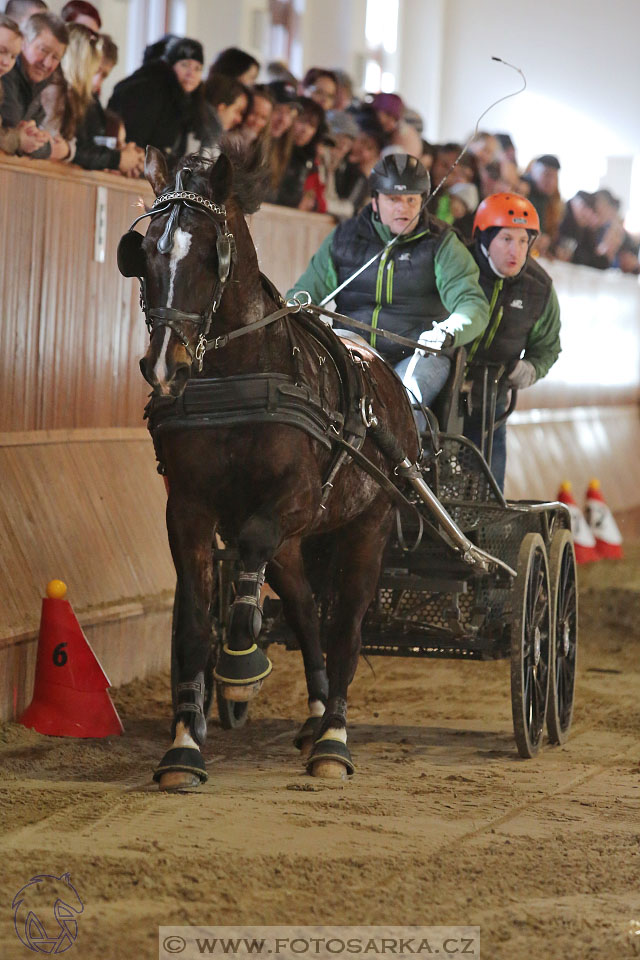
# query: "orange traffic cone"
70, 696
600, 519
583, 539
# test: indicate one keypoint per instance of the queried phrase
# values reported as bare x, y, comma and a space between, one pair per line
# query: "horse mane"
251, 172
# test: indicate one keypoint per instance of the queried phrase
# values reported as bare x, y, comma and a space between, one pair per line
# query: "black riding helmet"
399, 173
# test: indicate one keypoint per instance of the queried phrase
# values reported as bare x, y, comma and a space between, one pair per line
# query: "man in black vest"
425, 287
523, 332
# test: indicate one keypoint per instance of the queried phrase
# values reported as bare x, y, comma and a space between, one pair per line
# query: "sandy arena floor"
442, 824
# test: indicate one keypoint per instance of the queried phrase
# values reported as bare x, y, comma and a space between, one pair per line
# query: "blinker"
131, 260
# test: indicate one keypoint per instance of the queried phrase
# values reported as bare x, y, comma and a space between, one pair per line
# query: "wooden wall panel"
545, 447
87, 509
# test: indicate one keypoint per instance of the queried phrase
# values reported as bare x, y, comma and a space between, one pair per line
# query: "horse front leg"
242, 665
358, 561
190, 530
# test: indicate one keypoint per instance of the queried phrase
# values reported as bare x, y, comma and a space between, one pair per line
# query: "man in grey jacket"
45, 41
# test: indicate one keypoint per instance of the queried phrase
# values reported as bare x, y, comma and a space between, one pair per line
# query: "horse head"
183, 264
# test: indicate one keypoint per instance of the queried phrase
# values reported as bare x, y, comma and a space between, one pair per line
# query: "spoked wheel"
564, 615
231, 713
530, 645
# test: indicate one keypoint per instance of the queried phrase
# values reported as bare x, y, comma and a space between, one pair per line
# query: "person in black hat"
424, 288
162, 102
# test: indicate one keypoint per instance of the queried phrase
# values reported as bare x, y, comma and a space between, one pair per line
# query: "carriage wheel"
232, 713
530, 645
564, 612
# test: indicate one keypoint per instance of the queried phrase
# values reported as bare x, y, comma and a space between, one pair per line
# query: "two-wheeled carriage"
433, 601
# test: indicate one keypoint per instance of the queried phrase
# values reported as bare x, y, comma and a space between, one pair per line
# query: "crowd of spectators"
320, 140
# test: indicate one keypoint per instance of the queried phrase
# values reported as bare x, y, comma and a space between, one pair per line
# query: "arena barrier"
81, 497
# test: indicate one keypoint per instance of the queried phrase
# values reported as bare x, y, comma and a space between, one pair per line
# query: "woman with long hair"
67, 98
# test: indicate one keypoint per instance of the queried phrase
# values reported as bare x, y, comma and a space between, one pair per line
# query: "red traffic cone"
70, 696
600, 519
583, 539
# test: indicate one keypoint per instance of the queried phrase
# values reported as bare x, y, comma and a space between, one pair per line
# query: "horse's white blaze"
335, 733
181, 245
316, 708
160, 368
183, 737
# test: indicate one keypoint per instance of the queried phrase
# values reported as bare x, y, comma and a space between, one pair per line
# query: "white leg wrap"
316, 708
335, 733
183, 737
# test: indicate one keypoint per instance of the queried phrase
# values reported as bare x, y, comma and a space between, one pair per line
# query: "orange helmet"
506, 210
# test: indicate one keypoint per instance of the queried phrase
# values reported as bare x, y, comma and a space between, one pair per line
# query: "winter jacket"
89, 154
21, 101
155, 108
524, 318
425, 277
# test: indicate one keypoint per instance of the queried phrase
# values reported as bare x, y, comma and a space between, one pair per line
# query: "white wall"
583, 74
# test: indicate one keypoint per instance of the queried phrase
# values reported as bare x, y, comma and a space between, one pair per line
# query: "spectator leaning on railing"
162, 102
68, 96
25, 138
45, 41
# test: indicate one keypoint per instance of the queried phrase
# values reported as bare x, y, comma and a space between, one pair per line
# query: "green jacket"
453, 292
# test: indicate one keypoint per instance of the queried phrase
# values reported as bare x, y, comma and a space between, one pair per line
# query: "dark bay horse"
278, 492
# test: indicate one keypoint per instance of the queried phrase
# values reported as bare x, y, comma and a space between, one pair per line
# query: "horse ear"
155, 169
221, 178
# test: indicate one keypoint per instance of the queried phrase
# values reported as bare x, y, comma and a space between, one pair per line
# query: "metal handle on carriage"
470, 552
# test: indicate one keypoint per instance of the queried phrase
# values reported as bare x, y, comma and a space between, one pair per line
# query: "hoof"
181, 767
178, 781
306, 735
330, 759
240, 693
328, 770
241, 668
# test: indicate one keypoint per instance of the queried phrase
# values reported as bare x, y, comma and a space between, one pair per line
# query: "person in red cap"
389, 109
79, 11
523, 333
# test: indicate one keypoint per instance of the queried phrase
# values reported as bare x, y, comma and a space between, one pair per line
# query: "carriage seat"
448, 405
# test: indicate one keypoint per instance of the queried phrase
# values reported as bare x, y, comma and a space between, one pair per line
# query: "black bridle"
131, 263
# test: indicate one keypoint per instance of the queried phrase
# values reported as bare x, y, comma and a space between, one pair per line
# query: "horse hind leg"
242, 666
288, 578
